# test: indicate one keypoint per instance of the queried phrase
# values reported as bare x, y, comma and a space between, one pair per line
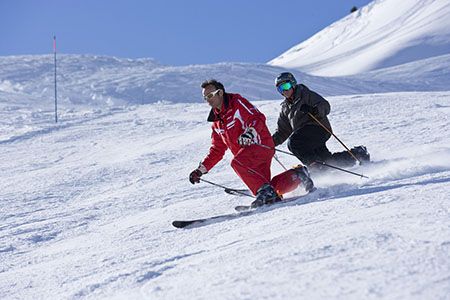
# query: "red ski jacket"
236, 115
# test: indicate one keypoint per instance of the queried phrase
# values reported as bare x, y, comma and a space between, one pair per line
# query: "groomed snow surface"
87, 206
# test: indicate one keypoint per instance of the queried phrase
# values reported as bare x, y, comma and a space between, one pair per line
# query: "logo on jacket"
237, 116
219, 130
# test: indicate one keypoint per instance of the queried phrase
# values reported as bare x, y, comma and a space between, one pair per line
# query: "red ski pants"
252, 165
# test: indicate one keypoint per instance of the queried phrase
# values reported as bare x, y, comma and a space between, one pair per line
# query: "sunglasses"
210, 95
284, 87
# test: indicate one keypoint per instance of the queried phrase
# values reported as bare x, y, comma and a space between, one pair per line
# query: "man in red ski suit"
238, 125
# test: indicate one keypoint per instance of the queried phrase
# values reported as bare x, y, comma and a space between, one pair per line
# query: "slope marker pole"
56, 98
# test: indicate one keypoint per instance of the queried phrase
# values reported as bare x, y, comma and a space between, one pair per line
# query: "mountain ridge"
382, 34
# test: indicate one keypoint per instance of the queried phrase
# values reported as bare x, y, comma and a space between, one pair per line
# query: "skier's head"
285, 83
213, 92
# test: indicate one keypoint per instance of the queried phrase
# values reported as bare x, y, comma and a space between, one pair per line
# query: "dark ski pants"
308, 145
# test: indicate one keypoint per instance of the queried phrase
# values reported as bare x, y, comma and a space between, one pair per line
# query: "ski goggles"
284, 87
210, 95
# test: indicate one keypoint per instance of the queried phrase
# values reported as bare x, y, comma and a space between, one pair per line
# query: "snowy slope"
100, 80
427, 74
382, 34
87, 204
108, 81
86, 208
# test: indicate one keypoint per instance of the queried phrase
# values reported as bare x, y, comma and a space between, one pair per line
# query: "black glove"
195, 175
248, 137
305, 108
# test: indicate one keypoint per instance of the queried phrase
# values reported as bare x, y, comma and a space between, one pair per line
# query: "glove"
248, 137
195, 175
305, 108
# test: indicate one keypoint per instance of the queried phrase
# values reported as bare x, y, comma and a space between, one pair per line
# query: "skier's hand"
248, 137
305, 108
195, 175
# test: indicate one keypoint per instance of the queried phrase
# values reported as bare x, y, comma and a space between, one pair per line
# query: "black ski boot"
303, 174
265, 195
361, 153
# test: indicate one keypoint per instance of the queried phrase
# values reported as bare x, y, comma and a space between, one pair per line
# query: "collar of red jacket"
215, 115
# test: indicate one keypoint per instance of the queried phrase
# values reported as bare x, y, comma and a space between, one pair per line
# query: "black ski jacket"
292, 119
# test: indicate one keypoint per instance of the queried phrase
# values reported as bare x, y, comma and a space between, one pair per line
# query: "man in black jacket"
307, 138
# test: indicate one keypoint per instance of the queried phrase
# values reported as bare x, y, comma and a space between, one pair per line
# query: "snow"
87, 207
99, 81
87, 203
382, 34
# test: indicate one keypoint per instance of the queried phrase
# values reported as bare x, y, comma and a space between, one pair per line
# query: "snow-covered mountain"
108, 81
115, 81
99, 80
384, 33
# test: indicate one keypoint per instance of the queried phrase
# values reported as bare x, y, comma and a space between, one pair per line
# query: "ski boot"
361, 154
265, 195
303, 173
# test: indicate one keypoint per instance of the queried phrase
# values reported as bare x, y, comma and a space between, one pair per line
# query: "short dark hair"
217, 84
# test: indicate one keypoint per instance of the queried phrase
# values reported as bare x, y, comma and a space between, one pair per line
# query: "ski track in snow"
87, 207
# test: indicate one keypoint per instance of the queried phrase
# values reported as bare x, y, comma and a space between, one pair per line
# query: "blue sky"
173, 32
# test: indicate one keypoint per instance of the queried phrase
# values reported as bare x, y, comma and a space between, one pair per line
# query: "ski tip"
185, 224
312, 190
177, 224
242, 208
180, 224
228, 191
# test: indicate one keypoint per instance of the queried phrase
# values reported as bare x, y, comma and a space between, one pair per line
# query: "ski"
238, 192
209, 220
182, 224
241, 208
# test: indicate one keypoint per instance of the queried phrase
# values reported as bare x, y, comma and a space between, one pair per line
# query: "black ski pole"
340, 169
330, 166
276, 158
273, 148
330, 132
225, 188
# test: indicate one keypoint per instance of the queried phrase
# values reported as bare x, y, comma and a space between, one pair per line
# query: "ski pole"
329, 131
278, 160
273, 148
337, 168
340, 169
225, 188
